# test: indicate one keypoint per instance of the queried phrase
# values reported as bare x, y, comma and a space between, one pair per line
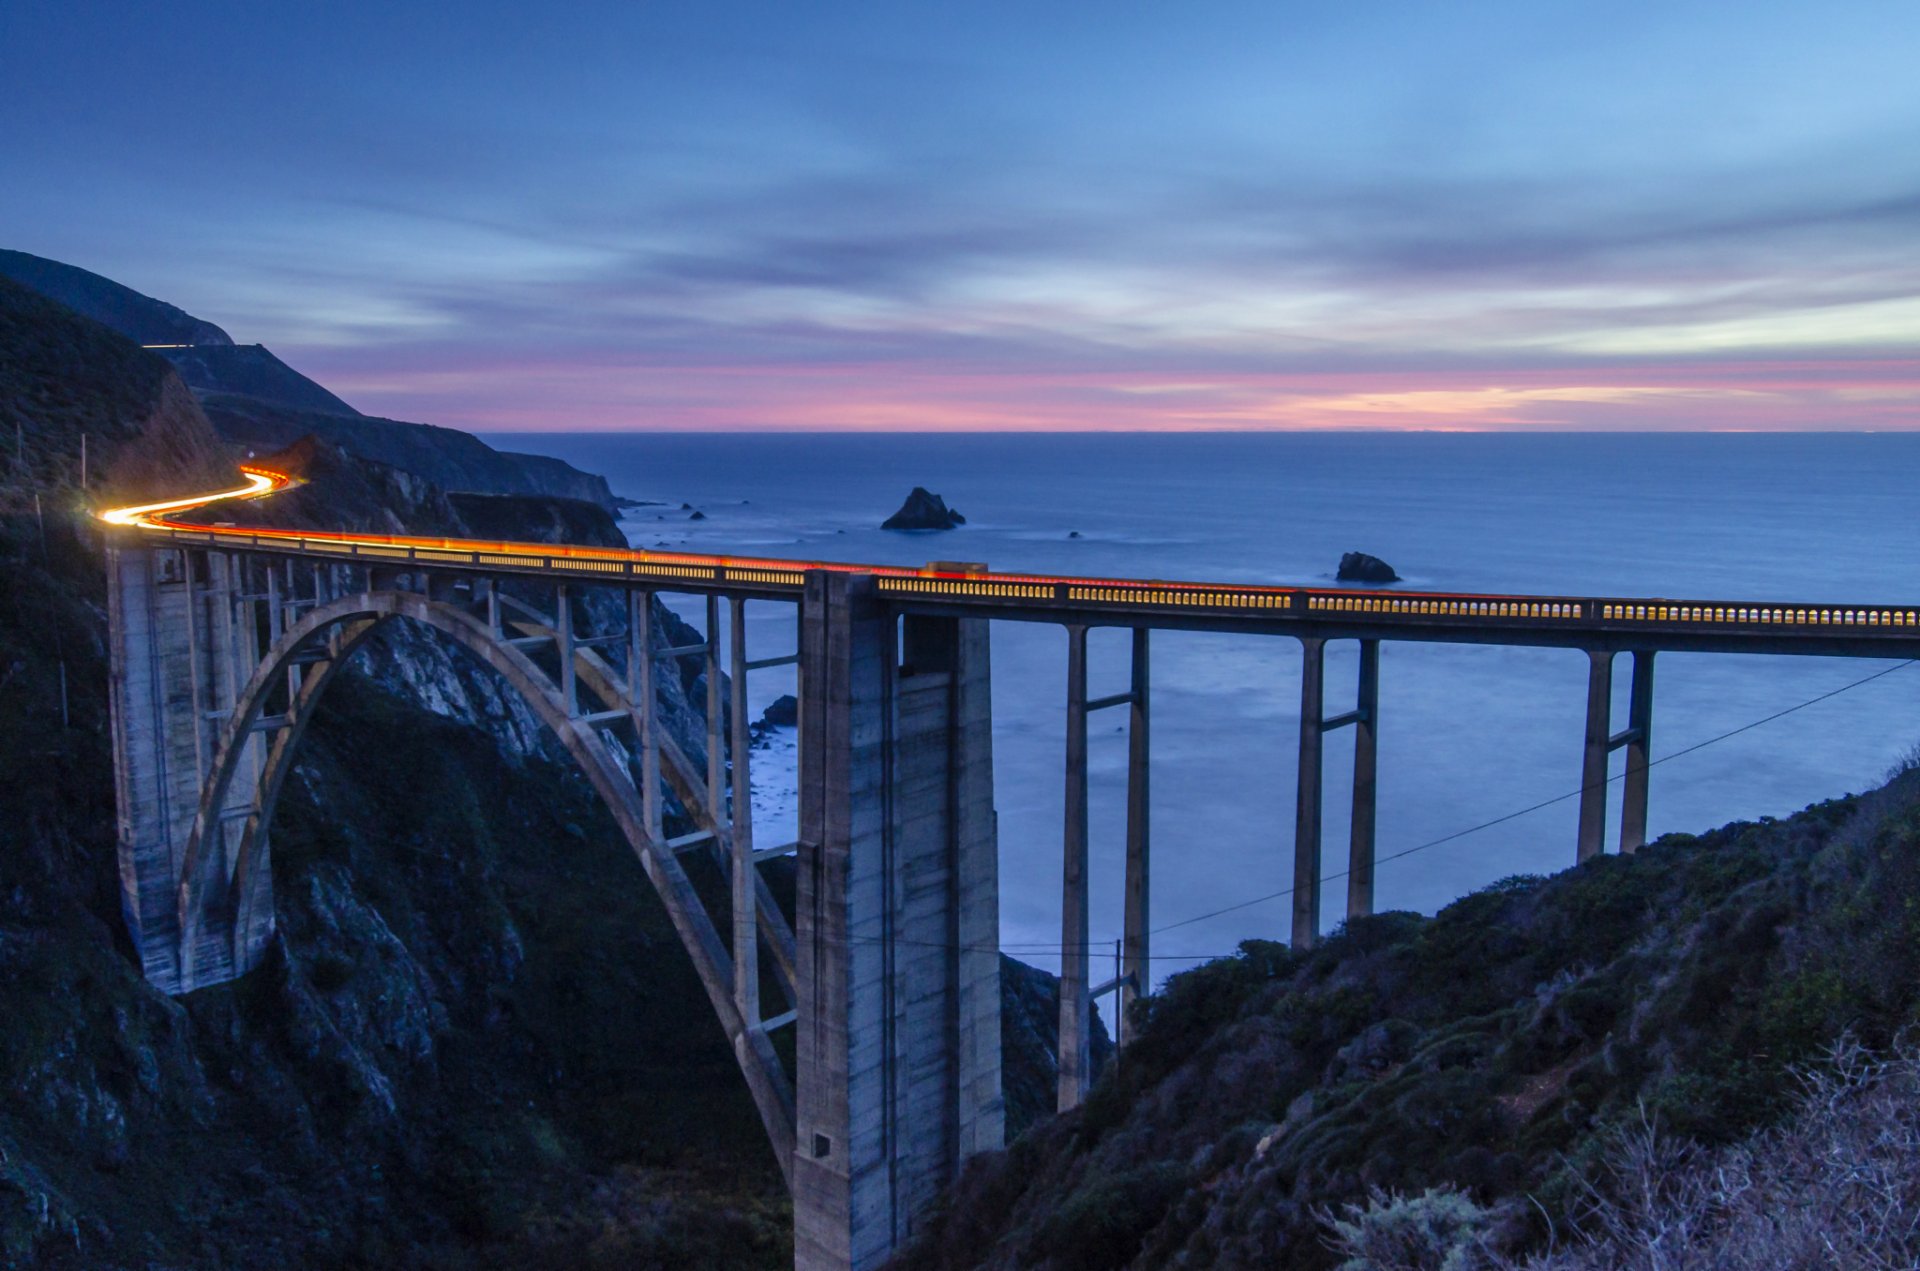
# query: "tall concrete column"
1593, 761
1076, 1014
1365, 754
1306, 817
1639, 743
896, 921
716, 748
1136, 963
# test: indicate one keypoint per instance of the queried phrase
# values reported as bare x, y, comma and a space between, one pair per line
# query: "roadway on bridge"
1857, 630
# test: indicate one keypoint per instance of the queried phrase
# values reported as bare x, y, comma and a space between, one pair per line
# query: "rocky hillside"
476, 1042
1496, 1050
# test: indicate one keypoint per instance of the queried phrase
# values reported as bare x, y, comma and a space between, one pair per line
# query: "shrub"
1438, 1230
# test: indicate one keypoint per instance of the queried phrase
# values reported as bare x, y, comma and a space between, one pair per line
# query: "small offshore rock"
1358, 567
782, 712
1073, 533
924, 510
698, 516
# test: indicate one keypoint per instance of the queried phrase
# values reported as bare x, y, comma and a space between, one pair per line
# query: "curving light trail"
260, 483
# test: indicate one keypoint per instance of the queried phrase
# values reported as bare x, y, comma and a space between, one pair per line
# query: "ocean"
1466, 735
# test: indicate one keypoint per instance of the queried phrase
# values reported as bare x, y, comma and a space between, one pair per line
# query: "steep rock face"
142, 319
546, 475
1030, 1043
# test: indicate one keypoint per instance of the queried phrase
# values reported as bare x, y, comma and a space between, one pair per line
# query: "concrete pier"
1594, 750
1306, 807
1076, 1006
181, 645
897, 923
1366, 745
1639, 743
1136, 954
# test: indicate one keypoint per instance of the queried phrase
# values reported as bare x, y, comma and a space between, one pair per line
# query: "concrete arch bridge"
224, 641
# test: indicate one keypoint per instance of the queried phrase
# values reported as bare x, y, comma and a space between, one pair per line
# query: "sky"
1272, 215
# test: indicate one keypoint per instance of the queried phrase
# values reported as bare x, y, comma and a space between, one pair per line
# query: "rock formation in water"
1358, 567
923, 510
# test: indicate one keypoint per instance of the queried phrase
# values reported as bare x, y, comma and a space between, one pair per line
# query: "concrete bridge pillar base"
183, 643
897, 921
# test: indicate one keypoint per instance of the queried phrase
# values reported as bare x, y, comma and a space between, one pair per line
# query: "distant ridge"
251, 370
257, 401
141, 319
210, 362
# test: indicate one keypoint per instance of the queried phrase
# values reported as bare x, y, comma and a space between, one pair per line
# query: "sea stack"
1358, 567
923, 510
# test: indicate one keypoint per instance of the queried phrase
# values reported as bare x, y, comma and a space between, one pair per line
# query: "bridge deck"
1748, 626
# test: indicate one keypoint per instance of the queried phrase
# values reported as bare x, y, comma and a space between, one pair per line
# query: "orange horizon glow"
554, 395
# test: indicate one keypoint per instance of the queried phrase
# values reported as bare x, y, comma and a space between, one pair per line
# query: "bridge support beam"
897, 926
1638, 742
182, 645
1366, 742
1136, 958
745, 874
1593, 761
1307, 817
1306, 808
1076, 1007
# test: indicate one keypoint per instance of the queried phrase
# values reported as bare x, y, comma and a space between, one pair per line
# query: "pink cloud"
555, 393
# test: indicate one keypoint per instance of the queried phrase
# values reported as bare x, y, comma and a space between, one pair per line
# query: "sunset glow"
1507, 216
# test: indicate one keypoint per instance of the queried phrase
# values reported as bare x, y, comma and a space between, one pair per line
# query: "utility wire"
1558, 798
1043, 947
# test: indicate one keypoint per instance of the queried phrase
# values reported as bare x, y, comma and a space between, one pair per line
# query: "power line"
1558, 798
1036, 946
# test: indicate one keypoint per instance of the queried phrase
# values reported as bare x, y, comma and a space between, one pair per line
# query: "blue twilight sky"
907, 215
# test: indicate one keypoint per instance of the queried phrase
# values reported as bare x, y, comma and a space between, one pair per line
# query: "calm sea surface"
1466, 734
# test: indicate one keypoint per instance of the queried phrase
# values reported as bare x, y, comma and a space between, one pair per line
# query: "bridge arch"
225, 888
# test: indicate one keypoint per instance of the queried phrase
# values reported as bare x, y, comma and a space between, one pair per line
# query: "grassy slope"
1489, 1047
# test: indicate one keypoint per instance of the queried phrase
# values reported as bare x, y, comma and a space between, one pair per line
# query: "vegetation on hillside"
1494, 1051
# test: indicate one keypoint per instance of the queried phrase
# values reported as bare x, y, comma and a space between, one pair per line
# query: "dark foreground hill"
1497, 1050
